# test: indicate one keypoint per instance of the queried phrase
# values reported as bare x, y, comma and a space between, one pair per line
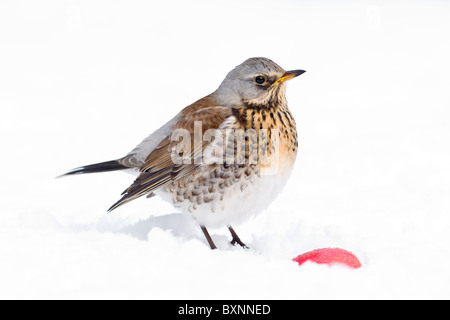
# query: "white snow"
86, 81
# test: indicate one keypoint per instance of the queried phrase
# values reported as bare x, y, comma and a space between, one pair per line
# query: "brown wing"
159, 169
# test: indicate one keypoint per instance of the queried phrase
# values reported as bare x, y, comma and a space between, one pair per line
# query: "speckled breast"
232, 191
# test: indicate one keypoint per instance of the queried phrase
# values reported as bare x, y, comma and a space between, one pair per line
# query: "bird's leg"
236, 238
208, 238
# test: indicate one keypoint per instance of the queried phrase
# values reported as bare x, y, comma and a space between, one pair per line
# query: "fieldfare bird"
223, 158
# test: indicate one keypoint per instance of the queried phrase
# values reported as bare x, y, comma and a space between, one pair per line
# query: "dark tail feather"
113, 165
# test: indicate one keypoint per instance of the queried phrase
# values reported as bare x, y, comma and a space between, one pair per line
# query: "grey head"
257, 81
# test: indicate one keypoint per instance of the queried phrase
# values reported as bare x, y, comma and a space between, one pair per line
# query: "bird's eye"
260, 80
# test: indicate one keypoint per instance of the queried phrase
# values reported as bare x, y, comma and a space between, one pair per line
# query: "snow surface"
86, 81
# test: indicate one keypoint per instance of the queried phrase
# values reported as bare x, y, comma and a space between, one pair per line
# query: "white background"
86, 81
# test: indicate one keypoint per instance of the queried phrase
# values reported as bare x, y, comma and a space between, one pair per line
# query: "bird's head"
256, 81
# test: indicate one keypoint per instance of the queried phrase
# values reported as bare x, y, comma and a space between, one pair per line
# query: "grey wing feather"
137, 156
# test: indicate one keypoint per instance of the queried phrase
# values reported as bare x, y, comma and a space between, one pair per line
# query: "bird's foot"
239, 242
236, 239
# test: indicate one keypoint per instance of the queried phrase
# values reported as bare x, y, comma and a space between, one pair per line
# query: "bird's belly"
221, 195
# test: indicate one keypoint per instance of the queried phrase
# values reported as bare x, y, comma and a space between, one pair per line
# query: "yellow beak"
288, 75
